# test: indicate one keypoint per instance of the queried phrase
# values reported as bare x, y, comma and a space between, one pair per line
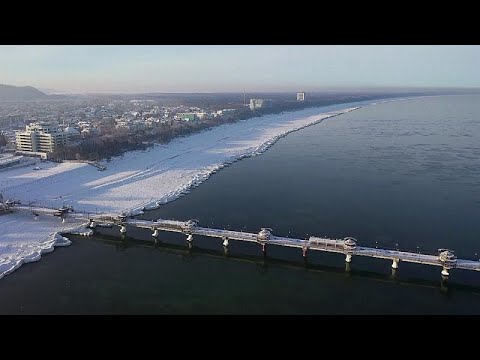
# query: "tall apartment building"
40, 138
259, 103
301, 96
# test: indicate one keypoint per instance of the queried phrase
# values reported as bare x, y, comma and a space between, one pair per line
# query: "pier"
349, 247
445, 259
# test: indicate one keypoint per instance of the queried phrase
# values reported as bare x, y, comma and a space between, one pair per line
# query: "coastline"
25, 239
155, 204
196, 177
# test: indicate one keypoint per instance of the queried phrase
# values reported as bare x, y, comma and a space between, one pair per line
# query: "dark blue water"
400, 174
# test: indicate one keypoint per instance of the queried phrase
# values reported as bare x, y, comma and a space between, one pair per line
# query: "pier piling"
348, 246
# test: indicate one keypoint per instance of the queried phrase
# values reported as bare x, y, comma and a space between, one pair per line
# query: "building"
8, 160
259, 103
187, 116
71, 132
201, 115
40, 138
301, 96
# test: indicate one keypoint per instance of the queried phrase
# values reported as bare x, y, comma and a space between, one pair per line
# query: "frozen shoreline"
147, 179
137, 180
248, 152
24, 239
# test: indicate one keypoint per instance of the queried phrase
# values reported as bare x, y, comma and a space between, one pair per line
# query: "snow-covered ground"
135, 181
24, 239
148, 178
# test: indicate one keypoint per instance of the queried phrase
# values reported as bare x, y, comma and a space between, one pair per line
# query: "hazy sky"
202, 68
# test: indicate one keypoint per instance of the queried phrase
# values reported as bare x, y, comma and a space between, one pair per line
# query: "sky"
217, 68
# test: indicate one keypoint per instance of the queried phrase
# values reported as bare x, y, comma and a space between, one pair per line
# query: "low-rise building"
9, 160
187, 116
201, 115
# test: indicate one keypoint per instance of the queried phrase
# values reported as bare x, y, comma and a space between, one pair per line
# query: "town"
91, 128
96, 127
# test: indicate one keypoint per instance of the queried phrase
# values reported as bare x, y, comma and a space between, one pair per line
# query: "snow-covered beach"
133, 182
24, 239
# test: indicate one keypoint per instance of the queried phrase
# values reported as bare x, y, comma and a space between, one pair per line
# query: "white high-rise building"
256, 103
301, 96
40, 138
259, 103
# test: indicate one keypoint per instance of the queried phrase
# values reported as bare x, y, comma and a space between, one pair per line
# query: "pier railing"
348, 246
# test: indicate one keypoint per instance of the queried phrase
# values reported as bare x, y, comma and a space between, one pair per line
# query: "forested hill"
20, 93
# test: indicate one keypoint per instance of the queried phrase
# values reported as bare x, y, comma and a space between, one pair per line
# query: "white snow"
135, 181
141, 179
24, 239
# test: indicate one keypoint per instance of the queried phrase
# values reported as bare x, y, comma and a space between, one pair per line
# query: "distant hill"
20, 93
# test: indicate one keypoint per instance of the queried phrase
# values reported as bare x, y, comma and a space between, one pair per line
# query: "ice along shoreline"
142, 180
198, 180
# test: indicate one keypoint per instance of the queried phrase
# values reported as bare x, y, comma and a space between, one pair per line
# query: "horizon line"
344, 88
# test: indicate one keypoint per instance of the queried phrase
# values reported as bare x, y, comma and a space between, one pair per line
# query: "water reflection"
189, 253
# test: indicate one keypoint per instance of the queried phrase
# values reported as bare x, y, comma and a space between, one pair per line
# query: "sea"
396, 175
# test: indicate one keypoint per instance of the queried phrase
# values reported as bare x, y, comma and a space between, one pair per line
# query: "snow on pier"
347, 246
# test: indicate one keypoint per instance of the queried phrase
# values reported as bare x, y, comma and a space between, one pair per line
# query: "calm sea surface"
401, 174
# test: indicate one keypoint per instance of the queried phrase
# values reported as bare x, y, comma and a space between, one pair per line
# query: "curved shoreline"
56, 239
198, 180
199, 175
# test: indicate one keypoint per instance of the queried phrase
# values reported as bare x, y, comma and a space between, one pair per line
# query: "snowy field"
133, 182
